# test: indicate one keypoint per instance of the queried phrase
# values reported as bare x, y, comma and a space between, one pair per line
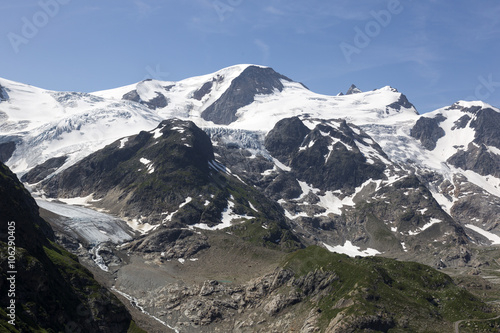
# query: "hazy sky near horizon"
435, 52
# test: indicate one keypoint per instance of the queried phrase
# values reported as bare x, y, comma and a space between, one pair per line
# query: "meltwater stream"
94, 228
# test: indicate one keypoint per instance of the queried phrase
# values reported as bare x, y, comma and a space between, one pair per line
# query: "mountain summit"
243, 90
353, 90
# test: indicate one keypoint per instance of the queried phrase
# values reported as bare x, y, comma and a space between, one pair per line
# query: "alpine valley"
241, 201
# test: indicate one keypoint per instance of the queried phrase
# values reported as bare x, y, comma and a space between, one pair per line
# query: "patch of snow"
425, 226
331, 203
493, 150
490, 184
169, 217
145, 161
268, 171
78, 201
281, 165
404, 246
444, 201
188, 200
148, 163
157, 133
422, 211
140, 226
351, 250
306, 188
123, 142
292, 217
495, 240
179, 129
252, 207
228, 215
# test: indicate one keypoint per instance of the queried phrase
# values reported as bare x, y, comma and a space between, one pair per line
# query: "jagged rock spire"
353, 90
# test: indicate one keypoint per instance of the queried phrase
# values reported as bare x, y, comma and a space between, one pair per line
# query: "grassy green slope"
385, 294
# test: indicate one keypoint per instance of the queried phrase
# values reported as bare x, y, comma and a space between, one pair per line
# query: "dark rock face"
461, 123
412, 207
3, 94
252, 81
53, 291
472, 110
158, 102
285, 138
41, 171
149, 175
402, 102
353, 90
173, 243
428, 131
477, 158
6, 150
207, 87
487, 125
132, 96
344, 166
17, 205
284, 186
325, 157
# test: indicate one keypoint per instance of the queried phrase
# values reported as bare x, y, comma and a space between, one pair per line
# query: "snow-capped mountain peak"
39, 124
472, 106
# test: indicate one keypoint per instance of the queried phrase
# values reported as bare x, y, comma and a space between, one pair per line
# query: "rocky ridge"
53, 291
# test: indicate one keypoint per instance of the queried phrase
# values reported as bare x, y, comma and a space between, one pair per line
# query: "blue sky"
435, 52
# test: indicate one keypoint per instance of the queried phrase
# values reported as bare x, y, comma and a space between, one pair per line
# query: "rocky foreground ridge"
52, 290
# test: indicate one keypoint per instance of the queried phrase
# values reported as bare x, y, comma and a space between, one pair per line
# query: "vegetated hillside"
313, 290
53, 292
377, 294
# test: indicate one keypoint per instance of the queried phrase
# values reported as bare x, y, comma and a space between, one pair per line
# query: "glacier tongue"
87, 225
